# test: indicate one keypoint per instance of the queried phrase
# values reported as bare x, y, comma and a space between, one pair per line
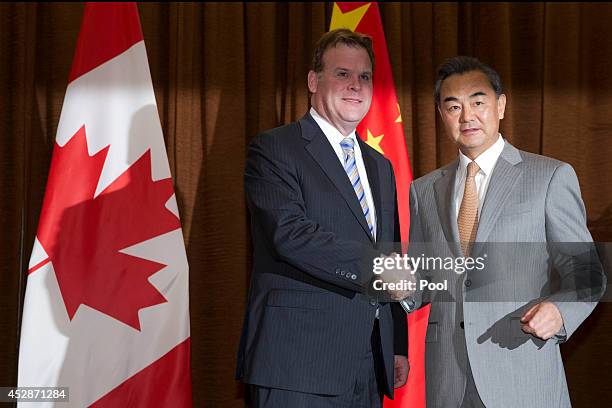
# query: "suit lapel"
444, 192
322, 152
503, 180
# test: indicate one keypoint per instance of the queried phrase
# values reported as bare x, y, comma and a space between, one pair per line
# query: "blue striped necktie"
350, 166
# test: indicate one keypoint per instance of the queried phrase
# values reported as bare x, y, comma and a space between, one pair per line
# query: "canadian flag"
106, 309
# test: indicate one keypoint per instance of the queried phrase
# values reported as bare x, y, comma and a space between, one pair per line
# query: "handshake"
395, 277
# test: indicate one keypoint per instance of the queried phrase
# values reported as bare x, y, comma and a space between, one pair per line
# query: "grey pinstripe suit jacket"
531, 202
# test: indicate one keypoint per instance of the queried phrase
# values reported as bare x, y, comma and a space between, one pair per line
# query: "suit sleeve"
273, 193
572, 251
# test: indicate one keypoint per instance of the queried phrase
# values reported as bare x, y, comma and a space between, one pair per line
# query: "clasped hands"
399, 280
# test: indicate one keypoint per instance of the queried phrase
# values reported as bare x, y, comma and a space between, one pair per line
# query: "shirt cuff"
561, 335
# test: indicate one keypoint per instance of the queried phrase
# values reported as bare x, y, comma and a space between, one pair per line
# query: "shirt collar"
332, 134
487, 159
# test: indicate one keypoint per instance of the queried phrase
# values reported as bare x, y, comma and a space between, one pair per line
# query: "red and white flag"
106, 309
382, 128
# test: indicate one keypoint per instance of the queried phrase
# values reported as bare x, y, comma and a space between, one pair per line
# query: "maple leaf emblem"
83, 235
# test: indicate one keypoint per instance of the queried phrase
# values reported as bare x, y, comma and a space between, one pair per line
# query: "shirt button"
468, 283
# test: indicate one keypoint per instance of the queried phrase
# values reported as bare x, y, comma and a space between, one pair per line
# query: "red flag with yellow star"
382, 129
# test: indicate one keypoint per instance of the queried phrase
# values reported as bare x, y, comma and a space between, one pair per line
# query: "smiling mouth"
351, 100
470, 130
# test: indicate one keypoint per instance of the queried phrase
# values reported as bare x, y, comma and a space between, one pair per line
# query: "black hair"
463, 64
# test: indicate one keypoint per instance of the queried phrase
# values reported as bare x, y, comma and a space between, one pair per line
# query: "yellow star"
399, 118
349, 20
374, 141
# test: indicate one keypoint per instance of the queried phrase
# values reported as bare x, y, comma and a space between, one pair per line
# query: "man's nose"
355, 84
467, 114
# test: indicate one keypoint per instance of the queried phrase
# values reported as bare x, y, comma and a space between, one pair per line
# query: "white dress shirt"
335, 137
486, 161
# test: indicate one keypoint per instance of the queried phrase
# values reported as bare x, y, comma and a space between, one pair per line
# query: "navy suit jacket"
309, 318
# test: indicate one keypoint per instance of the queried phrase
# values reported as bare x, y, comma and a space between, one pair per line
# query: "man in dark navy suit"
322, 205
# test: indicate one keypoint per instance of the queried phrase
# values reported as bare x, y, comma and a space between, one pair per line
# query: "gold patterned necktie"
467, 221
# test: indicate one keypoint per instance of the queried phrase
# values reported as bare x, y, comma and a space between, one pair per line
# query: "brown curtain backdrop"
223, 72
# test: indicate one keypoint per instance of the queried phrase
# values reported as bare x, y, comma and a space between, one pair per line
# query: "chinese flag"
106, 305
382, 129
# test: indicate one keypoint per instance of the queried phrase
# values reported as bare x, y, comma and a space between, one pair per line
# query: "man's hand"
399, 274
401, 371
542, 320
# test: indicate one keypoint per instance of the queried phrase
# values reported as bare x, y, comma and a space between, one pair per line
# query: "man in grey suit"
494, 331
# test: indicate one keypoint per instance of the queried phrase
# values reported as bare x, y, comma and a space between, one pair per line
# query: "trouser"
471, 399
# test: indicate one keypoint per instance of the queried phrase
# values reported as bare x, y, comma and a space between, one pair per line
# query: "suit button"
354, 277
461, 325
468, 283
373, 302
342, 273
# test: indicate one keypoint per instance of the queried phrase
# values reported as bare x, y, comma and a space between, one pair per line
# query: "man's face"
471, 112
342, 92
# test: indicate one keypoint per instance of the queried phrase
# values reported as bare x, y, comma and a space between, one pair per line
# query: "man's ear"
501, 105
313, 81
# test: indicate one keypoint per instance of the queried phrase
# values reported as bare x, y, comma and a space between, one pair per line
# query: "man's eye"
366, 77
478, 103
342, 74
453, 108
